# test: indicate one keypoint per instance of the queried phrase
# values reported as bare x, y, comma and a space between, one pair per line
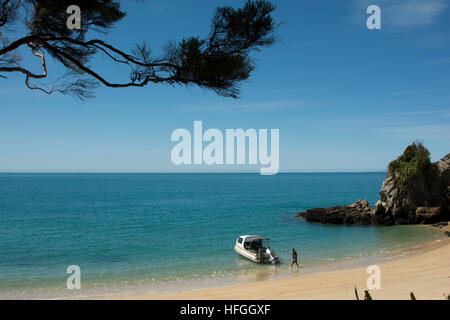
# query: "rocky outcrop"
357, 213
444, 170
424, 199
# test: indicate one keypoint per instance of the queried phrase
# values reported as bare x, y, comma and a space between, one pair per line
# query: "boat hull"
246, 254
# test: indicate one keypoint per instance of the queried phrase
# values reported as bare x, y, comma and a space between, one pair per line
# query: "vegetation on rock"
415, 191
413, 162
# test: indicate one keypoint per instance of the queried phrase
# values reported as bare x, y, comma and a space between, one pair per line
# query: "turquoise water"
151, 231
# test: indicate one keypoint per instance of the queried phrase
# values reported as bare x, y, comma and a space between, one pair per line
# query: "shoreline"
274, 280
424, 270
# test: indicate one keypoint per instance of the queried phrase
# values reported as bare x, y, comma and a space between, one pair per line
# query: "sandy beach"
425, 271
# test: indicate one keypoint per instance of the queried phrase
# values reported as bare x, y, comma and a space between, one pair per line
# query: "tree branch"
219, 62
89, 71
4, 13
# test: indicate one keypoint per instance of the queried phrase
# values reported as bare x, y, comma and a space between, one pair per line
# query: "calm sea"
144, 233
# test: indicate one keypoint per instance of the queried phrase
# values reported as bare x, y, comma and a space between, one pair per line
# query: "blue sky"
345, 98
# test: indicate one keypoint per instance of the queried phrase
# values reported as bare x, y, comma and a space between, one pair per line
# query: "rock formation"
358, 213
424, 198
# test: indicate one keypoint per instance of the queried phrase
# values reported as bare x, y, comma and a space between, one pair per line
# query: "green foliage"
219, 61
49, 17
414, 160
367, 295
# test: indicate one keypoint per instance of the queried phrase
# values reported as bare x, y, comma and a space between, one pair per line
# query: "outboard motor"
271, 256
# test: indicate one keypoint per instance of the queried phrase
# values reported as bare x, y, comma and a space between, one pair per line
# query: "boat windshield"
256, 244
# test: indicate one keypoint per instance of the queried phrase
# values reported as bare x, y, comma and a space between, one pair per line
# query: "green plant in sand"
367, 295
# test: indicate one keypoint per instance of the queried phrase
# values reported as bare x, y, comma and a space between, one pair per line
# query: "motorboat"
256, 248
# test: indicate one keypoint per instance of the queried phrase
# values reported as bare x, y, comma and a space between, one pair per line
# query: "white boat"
256, 249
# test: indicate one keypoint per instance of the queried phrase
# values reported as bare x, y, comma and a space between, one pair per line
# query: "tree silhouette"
218, 62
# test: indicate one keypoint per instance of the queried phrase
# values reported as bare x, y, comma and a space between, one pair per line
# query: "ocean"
150, 233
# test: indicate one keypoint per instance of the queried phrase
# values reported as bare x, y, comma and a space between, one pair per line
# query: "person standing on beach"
294, 258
